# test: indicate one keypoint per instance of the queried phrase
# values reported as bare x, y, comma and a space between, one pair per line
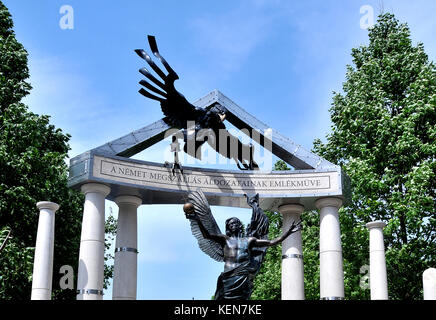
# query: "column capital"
47, 205
96, 187
376, 224
429, 274
328, 202
429, 284
128, 200
291, 208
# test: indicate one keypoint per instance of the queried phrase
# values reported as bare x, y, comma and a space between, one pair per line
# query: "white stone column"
125, 265
292, 255
330, 250
43, 261
91, 256
378, 279
429, 282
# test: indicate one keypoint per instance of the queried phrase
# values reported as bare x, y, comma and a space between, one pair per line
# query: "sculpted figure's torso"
236, 251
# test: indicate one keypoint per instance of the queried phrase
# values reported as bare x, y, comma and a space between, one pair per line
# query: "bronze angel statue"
241, 251
208, 123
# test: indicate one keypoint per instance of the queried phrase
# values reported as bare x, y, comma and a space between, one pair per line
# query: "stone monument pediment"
111, 164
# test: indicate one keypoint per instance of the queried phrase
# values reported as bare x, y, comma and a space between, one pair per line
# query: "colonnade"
91, 256
90, 277
92, 244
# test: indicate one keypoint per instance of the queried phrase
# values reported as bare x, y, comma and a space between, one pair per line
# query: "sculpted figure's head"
234, 227
218, 110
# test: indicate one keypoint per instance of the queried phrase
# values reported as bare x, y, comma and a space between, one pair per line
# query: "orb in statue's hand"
189, 209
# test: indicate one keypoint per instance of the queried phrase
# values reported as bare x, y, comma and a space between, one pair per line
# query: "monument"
108, 172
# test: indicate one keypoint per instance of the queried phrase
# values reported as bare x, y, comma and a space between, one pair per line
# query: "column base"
89, 294
332, 298
41, 294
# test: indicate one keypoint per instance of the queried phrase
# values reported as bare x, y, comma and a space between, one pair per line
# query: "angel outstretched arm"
268, 243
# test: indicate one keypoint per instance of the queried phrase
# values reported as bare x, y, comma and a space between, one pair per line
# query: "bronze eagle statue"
208, 123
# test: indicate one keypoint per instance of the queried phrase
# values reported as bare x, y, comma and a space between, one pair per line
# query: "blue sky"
279, 60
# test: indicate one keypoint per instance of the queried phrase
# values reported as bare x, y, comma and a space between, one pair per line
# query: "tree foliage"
32, 169
267, 284
383, 136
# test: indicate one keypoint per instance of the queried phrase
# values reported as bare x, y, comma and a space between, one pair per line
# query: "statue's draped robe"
237, 283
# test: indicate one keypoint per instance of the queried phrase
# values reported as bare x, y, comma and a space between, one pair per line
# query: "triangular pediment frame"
282, 147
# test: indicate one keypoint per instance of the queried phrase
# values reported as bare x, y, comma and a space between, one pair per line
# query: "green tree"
32, 169
383, 136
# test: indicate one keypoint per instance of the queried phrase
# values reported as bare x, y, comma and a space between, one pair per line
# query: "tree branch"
4, 242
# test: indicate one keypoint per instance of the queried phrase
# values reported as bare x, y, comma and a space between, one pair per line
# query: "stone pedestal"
377, 262
43, 261
330, 250
125, 265
292, 255
429, 282
91, 255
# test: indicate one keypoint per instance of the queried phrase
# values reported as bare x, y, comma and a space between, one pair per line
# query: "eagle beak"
222, 117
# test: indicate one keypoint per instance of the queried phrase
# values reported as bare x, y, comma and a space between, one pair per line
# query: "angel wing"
258, 228
176, 108
202, 210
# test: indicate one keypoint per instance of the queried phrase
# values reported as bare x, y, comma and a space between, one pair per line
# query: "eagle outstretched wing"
178, 111
176, 108
202, 210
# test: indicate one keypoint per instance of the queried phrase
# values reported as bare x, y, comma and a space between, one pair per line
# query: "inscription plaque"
145, 175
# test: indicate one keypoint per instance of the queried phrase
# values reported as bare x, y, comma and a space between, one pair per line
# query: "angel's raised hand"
190, 211
296, 226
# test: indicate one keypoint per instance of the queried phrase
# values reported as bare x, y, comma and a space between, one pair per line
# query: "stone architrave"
43, 261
